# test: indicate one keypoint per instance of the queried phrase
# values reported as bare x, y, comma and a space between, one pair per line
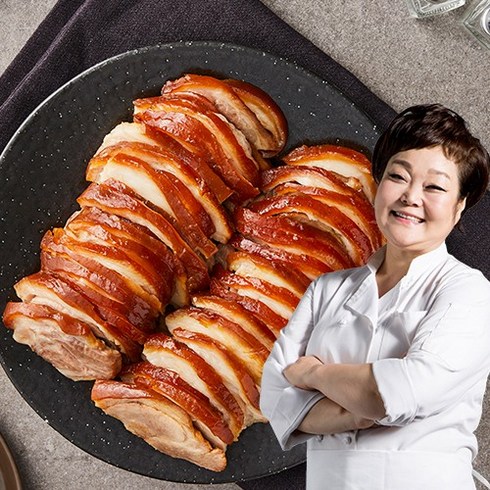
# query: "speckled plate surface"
42, 173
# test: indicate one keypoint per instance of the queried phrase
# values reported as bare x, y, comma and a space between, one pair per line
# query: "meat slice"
342, 229
169, 384
293, 236
156, 187
299, 265
228, 102
164, 351
247, 264
160, 256
257, 308
230, 334
344, 161
236, 313
137, 132
113, 197
199, 138
278, 299
329, 187
232, 370
44, 288
235, 147
203, 203
65, 342
160, 422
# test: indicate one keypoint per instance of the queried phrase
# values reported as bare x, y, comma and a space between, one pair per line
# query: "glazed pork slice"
278, 299
259, 310
203, 321
115, 198
227, 101
235, 147
344, 161
326, 186
137, 132
329, 218
160, 422
162, 258
65, 342
156, 187
170, 385
44, 288
305, 267
117, 260
292, 236
232, 370
164, 351
202, 201
200, 138
236, 313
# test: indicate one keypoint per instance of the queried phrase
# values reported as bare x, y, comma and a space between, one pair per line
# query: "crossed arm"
352, 400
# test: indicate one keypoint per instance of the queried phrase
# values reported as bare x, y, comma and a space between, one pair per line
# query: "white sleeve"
449, 355
283, 404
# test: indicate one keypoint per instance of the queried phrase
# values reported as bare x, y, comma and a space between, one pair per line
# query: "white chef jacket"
429, 346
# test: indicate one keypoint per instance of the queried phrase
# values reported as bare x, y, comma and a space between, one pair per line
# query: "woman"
382, 369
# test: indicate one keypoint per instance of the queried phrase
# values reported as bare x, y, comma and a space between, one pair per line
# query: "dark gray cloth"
77, 34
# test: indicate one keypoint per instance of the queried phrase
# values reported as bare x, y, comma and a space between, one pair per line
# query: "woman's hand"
299, 372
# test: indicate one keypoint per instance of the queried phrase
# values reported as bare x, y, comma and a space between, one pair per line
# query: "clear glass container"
477, 21
426, 8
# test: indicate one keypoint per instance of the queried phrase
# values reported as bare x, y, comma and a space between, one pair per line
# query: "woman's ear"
460, 206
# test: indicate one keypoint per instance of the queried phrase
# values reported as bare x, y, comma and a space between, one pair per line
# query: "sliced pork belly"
113, 197
164, 351
169, 384
257, 308
342, 229
238, 314
227, 100
65, 342
248, 264
344, 161
300, 266
140, 307
266, 110
158, 140
232, 370
201, 140
43, 288
156, 187
163, 259
202, 202
160, 422
233, 143
230, 334
118, 261
293, 236
329, 187
278, 299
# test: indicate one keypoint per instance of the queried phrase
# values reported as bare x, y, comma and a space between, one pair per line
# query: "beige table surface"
402, 60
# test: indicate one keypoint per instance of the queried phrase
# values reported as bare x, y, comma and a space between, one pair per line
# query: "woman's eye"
436, 188
395, 176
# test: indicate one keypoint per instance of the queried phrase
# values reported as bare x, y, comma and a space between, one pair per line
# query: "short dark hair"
430, 125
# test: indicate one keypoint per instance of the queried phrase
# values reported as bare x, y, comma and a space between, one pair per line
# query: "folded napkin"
80, 33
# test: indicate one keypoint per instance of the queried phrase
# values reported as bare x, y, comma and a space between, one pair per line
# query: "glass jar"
426, 8
477, 20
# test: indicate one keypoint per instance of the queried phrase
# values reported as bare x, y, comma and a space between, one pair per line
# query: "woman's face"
417, 203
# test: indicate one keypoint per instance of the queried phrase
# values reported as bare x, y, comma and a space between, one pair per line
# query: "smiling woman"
382, 368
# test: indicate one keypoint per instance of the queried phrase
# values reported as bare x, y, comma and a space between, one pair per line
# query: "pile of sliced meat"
188, 255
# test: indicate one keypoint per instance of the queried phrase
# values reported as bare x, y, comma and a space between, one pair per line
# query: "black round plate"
42, 173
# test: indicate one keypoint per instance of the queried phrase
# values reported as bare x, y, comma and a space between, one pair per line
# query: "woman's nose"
412, 196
